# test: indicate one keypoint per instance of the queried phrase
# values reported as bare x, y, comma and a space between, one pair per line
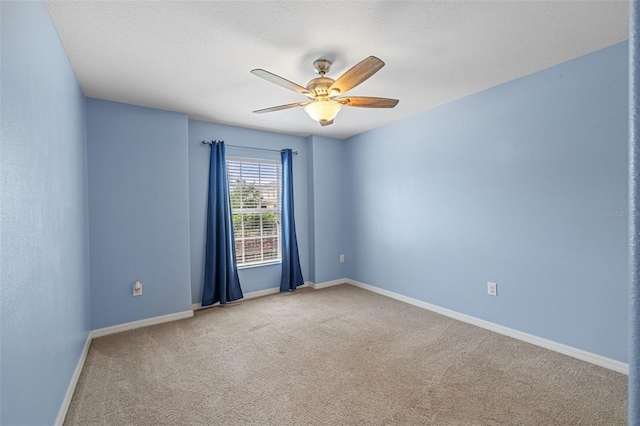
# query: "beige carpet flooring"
337, 356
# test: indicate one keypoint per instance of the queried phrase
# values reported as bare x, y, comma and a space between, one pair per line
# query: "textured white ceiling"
195, 57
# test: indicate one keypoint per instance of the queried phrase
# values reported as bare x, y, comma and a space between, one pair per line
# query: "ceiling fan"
323, 92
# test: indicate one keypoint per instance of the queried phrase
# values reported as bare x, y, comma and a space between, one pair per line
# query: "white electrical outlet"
492, 289
137, 288
342, 258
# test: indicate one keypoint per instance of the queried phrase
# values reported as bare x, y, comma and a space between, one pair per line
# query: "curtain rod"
248, 147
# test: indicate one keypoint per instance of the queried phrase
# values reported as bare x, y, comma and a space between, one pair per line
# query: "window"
254, 189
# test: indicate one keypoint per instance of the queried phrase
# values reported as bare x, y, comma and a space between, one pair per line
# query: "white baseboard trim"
252, 295
247, 296
328, 283
62, 414
142, 323
580, 354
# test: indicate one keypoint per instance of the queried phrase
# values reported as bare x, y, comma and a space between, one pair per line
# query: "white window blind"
254, 189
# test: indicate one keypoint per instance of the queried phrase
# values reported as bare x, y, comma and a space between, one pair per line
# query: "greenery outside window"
254, 189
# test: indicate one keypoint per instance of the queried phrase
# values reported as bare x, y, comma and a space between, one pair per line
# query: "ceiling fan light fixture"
322, 91
322, 110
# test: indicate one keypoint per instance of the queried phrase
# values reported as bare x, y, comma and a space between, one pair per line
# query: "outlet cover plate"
137, 288
492, 289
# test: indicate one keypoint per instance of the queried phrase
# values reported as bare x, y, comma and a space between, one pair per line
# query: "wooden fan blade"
366, 102
356, 75
325, 122
280, 107
276, 79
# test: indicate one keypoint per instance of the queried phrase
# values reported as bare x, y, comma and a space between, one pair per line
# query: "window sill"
258, 265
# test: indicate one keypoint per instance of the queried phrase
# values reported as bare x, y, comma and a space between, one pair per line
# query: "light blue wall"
44, 273
138, 212
511, 185
257, 278
310, 212
634, 193
326, 211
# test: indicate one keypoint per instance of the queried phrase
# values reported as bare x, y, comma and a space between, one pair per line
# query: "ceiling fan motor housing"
320, 86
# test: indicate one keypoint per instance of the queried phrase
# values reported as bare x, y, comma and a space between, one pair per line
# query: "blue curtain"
221, 283
291, 272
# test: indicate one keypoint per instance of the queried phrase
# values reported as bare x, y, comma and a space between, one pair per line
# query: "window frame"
277, 210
